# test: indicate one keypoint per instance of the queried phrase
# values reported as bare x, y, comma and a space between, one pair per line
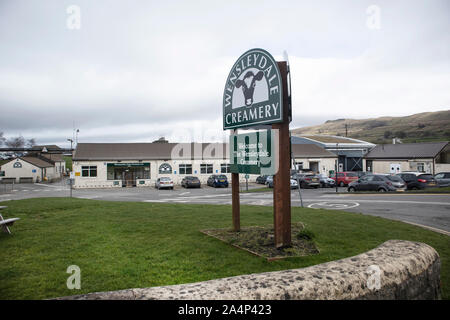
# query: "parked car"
190, 182
307, 180
345, 178
443, 179
164, 182
361, 173
397, 181
261, 179
217, 180
418, 182
325, 181
373, 182
269, 179
294, 184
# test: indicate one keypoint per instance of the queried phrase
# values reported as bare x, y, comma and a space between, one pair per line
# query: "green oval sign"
253, 91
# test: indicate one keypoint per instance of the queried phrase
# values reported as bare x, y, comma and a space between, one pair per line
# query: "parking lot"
428, 210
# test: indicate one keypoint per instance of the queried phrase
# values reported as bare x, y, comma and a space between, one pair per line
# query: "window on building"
206, 168
17, 165
421, 167
299, 165
89, 171
185, 168
225, 168
165, 168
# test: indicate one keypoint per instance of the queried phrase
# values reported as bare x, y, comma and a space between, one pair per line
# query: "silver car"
443, 179
164, 182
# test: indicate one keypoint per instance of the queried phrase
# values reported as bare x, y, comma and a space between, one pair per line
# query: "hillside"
420, 127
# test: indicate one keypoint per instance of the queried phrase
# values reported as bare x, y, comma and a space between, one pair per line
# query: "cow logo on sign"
252, 94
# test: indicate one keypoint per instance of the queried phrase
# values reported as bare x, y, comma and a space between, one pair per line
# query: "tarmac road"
432, 211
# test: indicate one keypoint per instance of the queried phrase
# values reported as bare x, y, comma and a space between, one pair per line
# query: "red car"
344, 178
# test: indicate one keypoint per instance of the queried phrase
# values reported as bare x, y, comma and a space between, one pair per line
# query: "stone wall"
407, 270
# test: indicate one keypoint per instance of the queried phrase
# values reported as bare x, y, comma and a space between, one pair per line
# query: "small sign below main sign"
253, 153
253, 92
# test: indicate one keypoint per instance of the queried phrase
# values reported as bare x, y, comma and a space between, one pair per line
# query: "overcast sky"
138, 70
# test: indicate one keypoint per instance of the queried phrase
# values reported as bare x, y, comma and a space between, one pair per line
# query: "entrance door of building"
314, 166
129, 179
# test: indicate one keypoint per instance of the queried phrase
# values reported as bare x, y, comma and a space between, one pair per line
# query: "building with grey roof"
349, 151
427, 157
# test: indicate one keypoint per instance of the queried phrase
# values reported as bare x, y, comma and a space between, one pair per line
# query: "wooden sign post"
257, 94
282, 179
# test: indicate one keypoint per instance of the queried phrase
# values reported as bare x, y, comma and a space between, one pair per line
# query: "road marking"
46, 185
333, 205
183, 193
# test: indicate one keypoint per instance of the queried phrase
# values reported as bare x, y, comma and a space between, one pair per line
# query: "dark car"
261, 179
307, 180
372, 182
418, 182
361, 173
190, 182
217, 180
443, 179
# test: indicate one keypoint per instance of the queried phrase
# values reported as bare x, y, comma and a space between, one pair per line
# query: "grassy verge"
262, 189
122, 245
431, 190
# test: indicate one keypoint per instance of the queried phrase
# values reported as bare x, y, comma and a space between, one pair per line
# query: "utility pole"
346, 129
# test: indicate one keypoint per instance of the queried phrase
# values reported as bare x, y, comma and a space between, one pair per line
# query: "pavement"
427, 210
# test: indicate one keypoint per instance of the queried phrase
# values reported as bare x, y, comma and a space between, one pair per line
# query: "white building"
98, 165
427, 157
314, 158
349, 151
29, 169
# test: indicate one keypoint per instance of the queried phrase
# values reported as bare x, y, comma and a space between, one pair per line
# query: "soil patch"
260, 241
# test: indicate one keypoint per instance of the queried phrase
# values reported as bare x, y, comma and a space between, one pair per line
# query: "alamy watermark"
74, 280
373, 21
374, 279
73, 21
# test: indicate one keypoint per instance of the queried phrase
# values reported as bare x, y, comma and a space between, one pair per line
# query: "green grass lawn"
432, 190
121, 245
261, 189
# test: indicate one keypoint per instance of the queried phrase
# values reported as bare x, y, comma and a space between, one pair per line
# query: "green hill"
420, 127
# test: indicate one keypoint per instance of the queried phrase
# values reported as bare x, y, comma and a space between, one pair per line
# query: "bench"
5, 223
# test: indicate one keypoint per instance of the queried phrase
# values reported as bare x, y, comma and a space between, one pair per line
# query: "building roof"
52, 147
328, 141
56, 157
38, 162
149, 151
310, 151
406, 150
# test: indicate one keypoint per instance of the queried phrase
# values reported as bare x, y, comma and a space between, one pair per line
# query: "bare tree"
15, 142
2, 139
31, 142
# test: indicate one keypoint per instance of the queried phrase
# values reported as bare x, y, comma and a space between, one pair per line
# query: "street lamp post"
71, 142
337, 166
